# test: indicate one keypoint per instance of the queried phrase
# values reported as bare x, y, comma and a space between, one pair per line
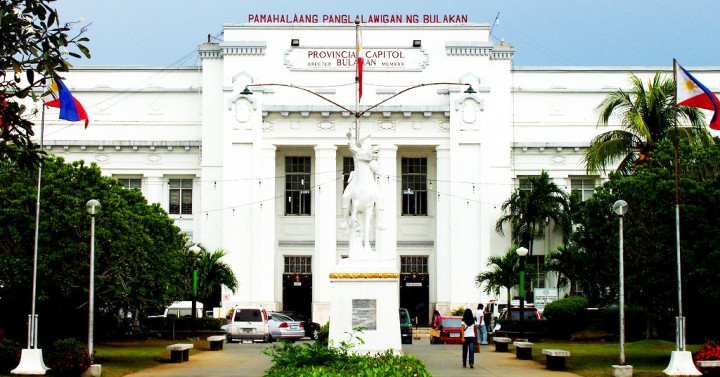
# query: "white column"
264, 242
326, 199
386, 240
443, 263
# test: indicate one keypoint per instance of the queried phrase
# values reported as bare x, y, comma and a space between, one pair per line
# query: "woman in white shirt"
469, 337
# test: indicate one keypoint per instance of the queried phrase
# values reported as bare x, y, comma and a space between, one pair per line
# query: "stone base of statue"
365, 294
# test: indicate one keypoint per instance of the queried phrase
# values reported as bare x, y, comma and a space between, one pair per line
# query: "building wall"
194, 122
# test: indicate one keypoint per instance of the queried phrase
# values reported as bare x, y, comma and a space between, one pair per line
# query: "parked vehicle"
248, 323
451, 330
513, 313
285, 328
406, 329
180, 309
312, 329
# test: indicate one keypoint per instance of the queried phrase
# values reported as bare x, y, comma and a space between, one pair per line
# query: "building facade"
261, 175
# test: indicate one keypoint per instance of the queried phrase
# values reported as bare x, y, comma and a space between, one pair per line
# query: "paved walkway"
238, 359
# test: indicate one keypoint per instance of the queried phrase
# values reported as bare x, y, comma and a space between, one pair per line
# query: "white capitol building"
260, 176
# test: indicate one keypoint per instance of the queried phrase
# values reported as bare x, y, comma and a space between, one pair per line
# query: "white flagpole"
681, 363
32, 339
357, 78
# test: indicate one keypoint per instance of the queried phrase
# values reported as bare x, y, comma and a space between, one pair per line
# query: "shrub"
9, 355
458, 311
566, 316
635, 321
323, 335
317, 359
68, 357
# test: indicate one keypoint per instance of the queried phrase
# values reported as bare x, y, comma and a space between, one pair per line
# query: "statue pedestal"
365, 293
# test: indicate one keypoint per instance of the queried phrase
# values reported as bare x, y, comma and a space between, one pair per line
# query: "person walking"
436, 328
480, 320
469, 335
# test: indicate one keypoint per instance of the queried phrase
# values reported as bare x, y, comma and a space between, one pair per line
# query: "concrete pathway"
238, 359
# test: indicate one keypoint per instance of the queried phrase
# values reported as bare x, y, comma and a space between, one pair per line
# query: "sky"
543, 32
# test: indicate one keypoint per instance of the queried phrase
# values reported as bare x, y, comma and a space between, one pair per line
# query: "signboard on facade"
543, 296
344, 59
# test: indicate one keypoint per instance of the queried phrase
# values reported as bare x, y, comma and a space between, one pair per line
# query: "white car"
248, 323
284, 327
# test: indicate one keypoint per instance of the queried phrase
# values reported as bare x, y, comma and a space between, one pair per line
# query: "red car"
451, 330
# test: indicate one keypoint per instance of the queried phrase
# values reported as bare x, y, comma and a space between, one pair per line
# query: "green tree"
32, 51
646, 116
530, 208
137, 264
650, 239
570, 263
212, 274
503, 272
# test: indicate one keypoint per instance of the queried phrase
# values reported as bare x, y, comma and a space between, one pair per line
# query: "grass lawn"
122, 358
595, 359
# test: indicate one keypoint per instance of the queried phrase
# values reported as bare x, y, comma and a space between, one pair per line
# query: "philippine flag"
70, 108
690, 92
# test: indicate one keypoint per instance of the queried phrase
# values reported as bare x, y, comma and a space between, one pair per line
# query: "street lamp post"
93, 208
195, 249
522, 252
620, 207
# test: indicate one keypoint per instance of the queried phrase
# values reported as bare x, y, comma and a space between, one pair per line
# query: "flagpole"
357, 78
681, 362
680, 323
32, 325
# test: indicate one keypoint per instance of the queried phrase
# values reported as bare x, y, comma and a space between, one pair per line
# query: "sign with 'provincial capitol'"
338, 59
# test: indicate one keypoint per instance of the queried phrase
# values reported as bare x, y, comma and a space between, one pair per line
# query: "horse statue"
362, 199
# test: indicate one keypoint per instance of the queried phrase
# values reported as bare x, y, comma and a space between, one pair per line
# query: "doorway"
414, 288
297, 285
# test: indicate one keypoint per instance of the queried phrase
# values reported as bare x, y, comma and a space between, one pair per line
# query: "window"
297, 185
525, 182
414, 264
298, 265
414, 186
583, 185
131, 183
348, 167
180, 197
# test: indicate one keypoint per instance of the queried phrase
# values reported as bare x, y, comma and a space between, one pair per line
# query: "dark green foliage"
9, 355
182, 324
317, 359
68, 357
566, 315
650, 248
137, 258
636, 322
324, 334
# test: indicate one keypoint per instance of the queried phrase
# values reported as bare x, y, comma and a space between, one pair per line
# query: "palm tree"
646, 117
569, 262
212, 274
504, 272
530, 209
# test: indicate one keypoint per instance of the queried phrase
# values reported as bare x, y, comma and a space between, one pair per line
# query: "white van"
248, 323
180, 309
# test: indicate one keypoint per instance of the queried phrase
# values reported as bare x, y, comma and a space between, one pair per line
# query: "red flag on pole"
690, 92
70, 107
360, 62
